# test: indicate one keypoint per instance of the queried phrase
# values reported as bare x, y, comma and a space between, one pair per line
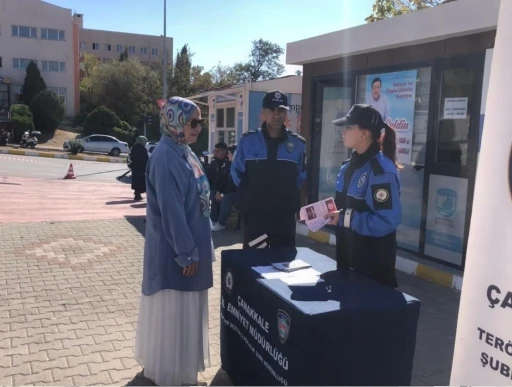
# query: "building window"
96, 46
54, 66
51, 34
24, 31
108, 47
143, 50
131, 49
21, 63
154, 51
226, 125
83, 45
119, 48
61, 92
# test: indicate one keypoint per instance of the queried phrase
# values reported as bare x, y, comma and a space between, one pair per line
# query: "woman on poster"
368, 197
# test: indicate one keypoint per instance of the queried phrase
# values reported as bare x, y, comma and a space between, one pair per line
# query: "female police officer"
368, 197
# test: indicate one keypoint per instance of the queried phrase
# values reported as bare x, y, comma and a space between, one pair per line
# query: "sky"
222, 30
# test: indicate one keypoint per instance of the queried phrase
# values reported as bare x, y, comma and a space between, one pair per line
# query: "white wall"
36, 13
291, 84
458, 18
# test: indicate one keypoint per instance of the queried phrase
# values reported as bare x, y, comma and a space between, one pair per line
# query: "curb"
403, 264
53, 155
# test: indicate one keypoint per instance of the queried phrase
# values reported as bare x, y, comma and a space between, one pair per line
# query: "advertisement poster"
483, 343
455, 108
446, 216
394, 96
294, 114
337, 102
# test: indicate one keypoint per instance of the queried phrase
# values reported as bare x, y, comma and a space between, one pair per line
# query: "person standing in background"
213, 173
138, 161
226, 194
269, 167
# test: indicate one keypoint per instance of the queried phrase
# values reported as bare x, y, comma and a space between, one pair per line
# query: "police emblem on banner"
290, 146
229, 283
283, 325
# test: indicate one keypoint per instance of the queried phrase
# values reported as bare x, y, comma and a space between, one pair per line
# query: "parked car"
101, 143
150, 146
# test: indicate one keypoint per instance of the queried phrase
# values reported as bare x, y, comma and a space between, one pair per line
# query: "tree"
182, 73
263, 62
298, 73
48, 111
128, 88
33, 84
124, 55
222, 76
101, 121
384, 9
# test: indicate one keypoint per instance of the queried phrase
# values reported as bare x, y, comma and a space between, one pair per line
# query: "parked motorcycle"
4, 137
29, 140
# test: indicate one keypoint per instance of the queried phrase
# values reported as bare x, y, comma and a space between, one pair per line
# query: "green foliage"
128, 88
384, 9
182, 73
21, 119
264, 62
33, 84
124, 55
125, 126
101, 121
48, 111
75, 146
79, 119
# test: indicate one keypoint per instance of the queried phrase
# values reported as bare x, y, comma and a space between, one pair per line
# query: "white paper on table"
307, 276
314, 214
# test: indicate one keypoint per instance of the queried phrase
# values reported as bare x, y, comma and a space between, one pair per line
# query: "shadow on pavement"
139, 205
125, 201
220, 379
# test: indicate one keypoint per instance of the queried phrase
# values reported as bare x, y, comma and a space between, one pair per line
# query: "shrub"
125, 126
122, 135
21, 119
48, 111
75, 146
101, 121
79, 119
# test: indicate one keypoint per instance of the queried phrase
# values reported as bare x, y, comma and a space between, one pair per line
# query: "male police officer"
269, 167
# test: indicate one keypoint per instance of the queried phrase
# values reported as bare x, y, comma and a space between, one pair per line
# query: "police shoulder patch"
381, 194
297, 136
248, 133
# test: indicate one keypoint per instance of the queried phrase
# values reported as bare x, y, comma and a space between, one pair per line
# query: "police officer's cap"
366, 116
275, 99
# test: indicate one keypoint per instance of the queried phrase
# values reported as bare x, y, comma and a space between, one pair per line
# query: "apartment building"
108, 45
42, 32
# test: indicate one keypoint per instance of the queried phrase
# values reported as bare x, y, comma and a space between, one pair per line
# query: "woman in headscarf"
138, 161
172, 333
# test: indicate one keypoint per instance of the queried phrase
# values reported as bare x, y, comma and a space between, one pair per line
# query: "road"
46, 168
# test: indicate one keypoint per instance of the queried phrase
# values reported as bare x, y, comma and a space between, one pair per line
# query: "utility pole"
165, 51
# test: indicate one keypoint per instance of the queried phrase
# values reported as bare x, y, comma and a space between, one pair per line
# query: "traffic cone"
70, 174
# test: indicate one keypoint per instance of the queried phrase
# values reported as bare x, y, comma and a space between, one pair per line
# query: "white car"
101, 143
150, 146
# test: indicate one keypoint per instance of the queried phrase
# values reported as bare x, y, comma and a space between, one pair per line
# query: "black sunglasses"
194, 122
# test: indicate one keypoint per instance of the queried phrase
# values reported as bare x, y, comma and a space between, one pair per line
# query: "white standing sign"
483, 345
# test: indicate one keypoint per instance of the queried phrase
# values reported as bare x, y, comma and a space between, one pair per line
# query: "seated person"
226, 194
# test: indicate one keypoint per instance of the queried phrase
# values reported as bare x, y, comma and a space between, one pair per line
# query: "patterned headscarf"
175, 114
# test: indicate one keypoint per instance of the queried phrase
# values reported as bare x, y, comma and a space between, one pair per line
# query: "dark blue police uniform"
269, 172
368, 195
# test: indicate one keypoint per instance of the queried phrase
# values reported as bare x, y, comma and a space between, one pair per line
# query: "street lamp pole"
165, 52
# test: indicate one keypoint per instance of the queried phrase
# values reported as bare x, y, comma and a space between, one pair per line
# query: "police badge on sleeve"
283, 325
290, 146
229, 282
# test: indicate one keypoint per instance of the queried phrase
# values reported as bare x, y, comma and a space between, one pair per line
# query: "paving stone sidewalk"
69, 298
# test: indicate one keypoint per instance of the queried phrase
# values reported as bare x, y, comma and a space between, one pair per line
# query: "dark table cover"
346, 330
